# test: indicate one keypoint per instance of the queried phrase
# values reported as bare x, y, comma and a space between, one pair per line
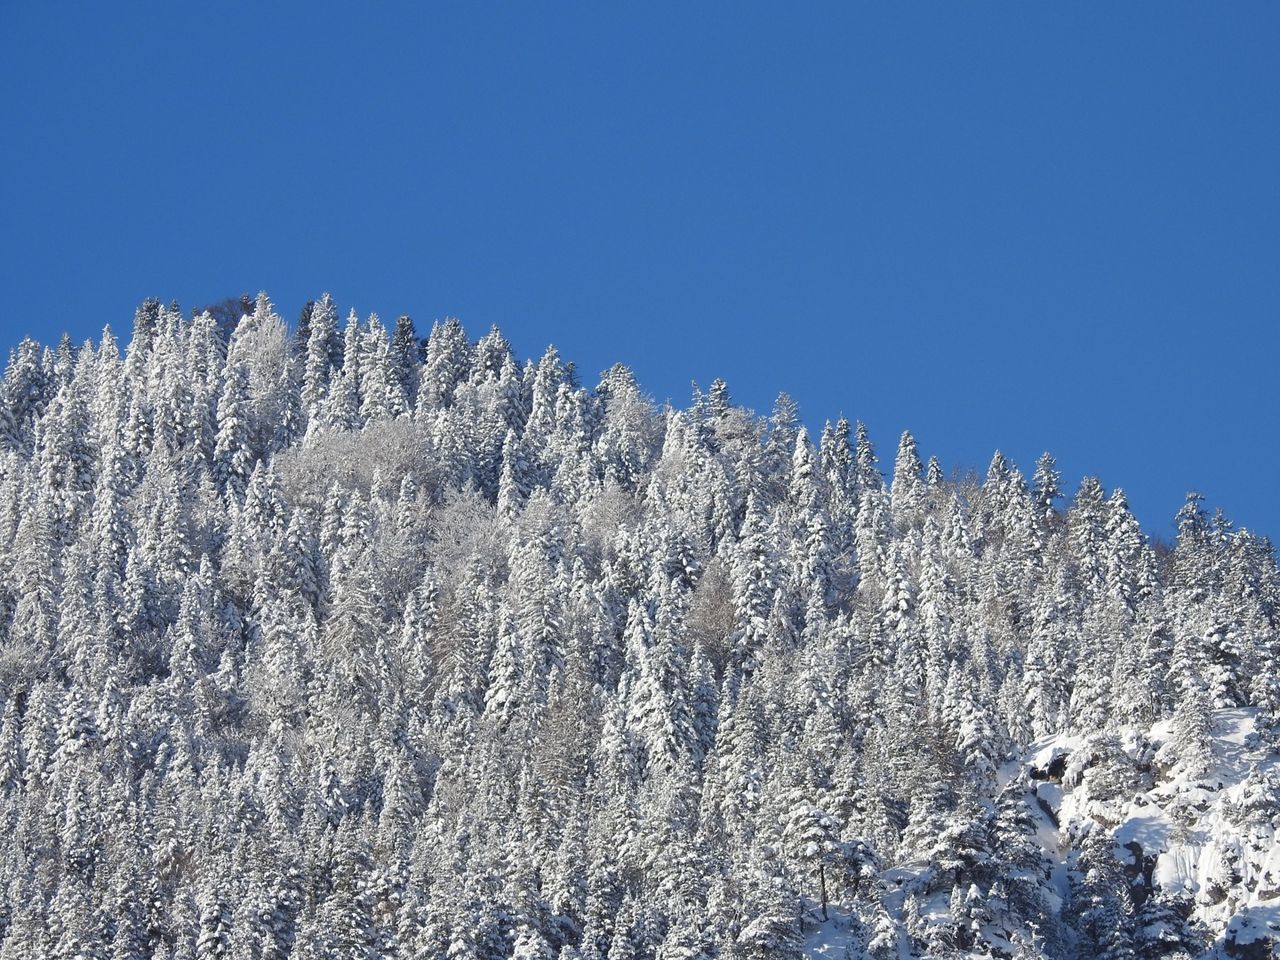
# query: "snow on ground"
1255, 922
832, 940
1147, 826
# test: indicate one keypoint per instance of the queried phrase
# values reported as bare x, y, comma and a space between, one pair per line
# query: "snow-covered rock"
1195, 857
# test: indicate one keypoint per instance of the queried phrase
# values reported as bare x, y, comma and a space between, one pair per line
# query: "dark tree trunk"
822, 882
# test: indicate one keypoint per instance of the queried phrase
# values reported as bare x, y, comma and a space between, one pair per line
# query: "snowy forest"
333, 640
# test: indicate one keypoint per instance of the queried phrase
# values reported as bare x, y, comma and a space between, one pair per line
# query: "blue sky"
1024, 226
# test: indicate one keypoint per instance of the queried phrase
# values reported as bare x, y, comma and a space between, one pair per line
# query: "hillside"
335, 642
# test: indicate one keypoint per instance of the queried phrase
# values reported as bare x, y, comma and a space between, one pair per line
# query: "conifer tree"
233, 455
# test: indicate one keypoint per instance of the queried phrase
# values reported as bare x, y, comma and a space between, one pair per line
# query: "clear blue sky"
1023, 226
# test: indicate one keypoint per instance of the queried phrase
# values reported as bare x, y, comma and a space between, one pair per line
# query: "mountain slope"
338, 642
